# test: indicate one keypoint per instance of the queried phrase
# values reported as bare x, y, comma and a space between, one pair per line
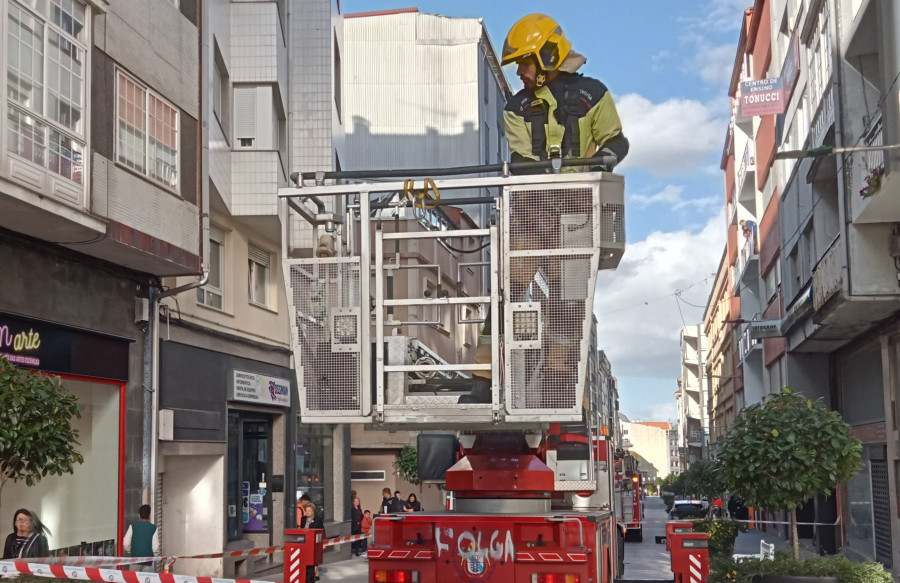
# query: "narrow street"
647, 560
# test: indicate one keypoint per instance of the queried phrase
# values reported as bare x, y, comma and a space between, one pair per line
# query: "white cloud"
638, 315
720, 15
672, 195
716, 64
672, 137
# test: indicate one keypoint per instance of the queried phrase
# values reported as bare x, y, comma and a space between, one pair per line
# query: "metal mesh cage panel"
321, 293
570, 215
612, 223
552, 241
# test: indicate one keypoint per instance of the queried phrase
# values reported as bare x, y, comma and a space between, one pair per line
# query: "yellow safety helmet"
539, 36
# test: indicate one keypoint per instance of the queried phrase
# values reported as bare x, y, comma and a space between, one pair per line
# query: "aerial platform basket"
432, 316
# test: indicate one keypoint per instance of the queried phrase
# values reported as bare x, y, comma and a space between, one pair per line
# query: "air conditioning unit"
765, 329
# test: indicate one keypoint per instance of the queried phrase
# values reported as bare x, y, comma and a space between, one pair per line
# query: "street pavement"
648, 560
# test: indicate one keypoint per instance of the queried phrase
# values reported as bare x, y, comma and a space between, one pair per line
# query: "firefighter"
560, 112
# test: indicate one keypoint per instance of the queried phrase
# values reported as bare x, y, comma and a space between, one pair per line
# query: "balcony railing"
748, 343
828, 275
869, 163
823, 119
747, 165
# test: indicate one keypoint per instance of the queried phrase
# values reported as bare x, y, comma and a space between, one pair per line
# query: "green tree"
407, 465
784, 451
36, 434
704, 478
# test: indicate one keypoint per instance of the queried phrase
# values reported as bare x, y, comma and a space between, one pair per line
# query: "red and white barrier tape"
8, 568
338, 540
114, 561
747, 521
91, 561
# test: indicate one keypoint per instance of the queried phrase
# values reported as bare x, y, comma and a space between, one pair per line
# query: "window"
337, 78
259, 120
147, 140
45, 85
210, 295
259, 260
221, 93
368, 476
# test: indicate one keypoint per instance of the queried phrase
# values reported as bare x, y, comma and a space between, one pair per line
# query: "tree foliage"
786, 450
36, 434
704, 478
407, 465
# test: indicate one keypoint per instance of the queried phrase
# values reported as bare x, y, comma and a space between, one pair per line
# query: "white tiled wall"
256, 40
254, 183
314, 25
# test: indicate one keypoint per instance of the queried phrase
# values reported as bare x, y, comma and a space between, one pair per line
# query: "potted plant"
785, 450
722, 534
785, 568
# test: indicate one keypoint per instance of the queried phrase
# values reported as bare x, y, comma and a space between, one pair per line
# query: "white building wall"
415, 95
651, 443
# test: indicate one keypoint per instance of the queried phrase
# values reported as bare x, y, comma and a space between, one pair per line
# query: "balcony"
828, 276
749, 348
823, 119
838, 317
695, 438
874, 196
746, 189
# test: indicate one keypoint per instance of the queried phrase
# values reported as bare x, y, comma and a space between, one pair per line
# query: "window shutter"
260, 256
244, 112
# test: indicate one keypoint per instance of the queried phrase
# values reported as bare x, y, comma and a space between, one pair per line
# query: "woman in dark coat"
356, 516
412, 504
28, 538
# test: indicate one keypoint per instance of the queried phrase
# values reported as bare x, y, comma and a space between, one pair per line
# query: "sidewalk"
747, 543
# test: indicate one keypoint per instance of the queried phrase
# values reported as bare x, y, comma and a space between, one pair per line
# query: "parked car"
687, 509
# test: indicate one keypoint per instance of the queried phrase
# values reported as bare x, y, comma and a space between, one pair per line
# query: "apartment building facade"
230, 418
693, 415
99, 199
141, 152
826, 272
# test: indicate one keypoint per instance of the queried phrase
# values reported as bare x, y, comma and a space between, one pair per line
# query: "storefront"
83, 511
223, 453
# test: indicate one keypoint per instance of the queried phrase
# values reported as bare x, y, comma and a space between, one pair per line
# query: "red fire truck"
628, 487
462, 308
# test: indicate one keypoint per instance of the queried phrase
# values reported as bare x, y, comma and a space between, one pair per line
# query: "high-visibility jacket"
572, 112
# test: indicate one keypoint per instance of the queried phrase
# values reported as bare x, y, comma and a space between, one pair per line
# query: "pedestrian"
304, 500
142, 540
366, 524
356, 516
387, 501
412, 504
311, 520
28, 538
559, 112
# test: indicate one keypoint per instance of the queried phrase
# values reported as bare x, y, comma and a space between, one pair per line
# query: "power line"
674, 293
683, 323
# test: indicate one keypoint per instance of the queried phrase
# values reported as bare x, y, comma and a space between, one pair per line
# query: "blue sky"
668, 65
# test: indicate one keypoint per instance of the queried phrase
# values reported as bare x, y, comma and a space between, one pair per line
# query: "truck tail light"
391, 576
555, 578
